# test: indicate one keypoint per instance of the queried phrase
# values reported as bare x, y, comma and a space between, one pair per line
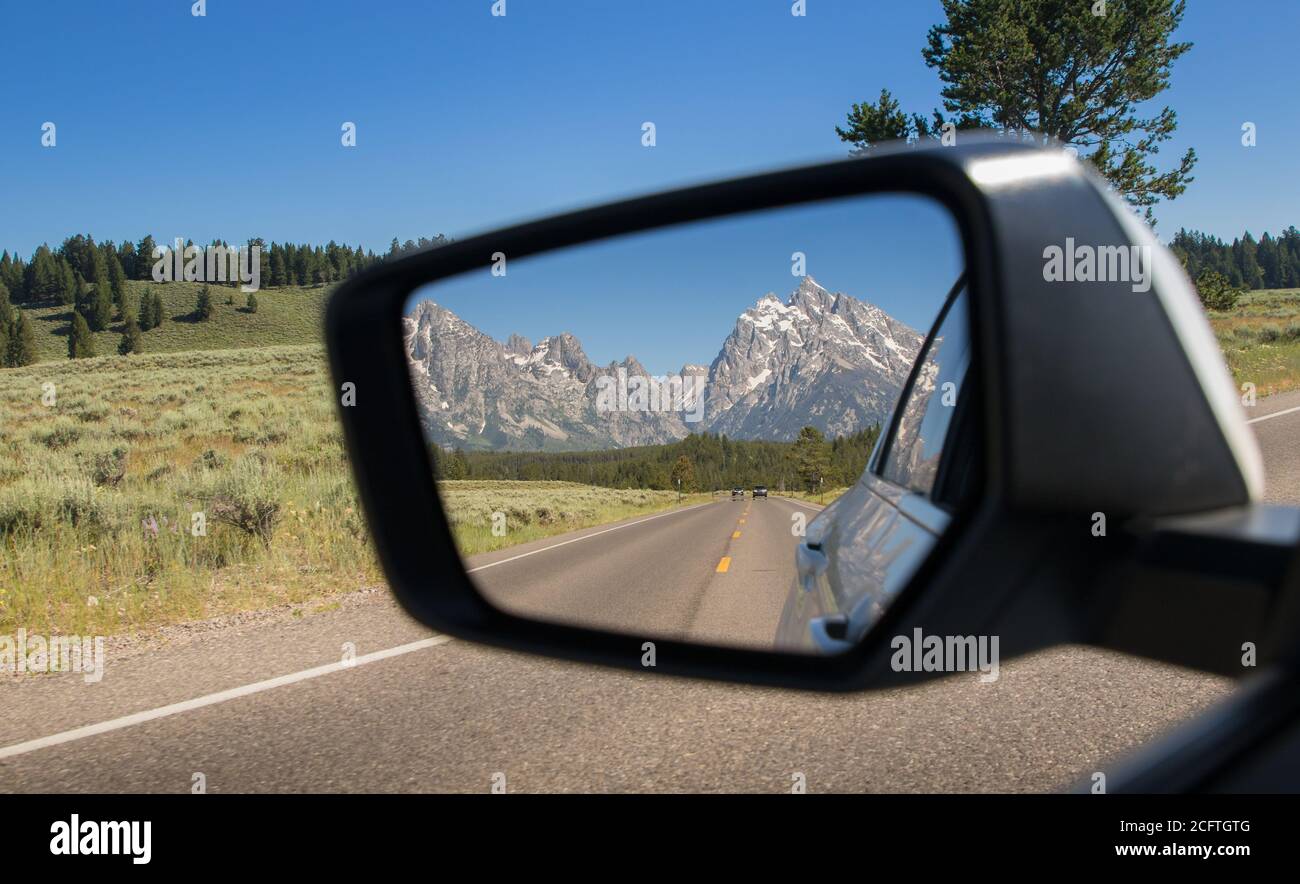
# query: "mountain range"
817, 358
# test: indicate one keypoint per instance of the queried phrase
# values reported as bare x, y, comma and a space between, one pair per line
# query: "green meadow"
288, 315
1260, 339
105, 462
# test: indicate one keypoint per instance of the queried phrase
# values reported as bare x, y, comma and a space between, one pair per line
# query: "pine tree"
100, 306
117, 282
97, 270
44, 279
127, 252
204, 307
129, 310
159, 314
80, 342
6, 310
811, 457
454, 465
1056, 72
11, 274
146, 312
7, 274
144, 259
252, 302
276, 263
22, 340
1215, 291
683, 474
131, 339
70, 285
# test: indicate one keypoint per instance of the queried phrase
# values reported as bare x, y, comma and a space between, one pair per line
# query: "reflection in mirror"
668, 434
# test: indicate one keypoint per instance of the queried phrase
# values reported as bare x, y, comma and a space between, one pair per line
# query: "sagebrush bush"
20, 512
107, 468
43, 503
248, 497
61, 435
98, 493
212, 460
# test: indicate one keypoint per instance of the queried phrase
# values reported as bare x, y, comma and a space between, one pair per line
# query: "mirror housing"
1086, 391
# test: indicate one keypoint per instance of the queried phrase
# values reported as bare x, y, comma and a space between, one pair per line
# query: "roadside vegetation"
100, 487
525, 511
825, 498
1260, 339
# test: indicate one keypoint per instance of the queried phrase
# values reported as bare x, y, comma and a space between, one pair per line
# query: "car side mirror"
1004, 349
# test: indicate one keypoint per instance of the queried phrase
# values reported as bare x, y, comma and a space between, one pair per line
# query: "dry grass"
826, 498
1260, 339
533, 510
98, 492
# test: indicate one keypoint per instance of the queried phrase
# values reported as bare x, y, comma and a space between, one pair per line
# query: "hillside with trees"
110, 288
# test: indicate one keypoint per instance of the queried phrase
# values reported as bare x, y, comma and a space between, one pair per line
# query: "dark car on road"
760, 491
737, 493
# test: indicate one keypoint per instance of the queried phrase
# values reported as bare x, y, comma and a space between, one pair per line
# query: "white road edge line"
587, 536
1255, 420
808, 506
114, 724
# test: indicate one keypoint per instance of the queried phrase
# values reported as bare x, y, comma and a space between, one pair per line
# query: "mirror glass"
671, 434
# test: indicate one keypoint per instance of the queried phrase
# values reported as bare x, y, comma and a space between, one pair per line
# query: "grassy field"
1260, 339
234, 419
289, 315
532, 510
98, 492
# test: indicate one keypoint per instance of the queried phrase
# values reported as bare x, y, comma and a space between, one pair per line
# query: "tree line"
17, 335
92, 278
713, 462
59, 275
1267, 263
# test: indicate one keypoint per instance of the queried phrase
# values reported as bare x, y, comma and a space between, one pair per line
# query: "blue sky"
228, 126
669, 297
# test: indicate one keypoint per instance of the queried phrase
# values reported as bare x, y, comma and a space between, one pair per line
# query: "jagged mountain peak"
815, 358
518, 345
818, 358
811, 295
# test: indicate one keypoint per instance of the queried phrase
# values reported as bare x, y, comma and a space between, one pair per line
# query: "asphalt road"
265, 703
716, 572
1277, 427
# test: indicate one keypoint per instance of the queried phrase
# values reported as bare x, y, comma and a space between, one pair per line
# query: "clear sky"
670, 297
228, 126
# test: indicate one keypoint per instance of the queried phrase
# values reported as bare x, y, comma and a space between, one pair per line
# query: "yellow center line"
724, 564
735, 534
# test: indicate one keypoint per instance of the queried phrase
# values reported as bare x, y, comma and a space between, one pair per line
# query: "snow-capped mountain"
474, 390
817, 358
